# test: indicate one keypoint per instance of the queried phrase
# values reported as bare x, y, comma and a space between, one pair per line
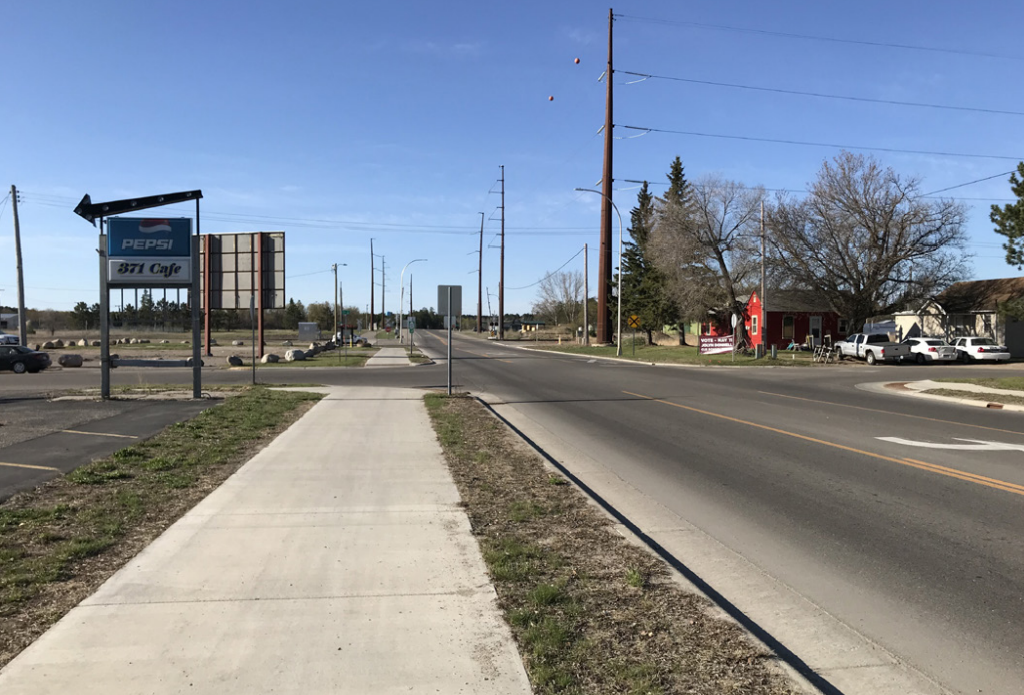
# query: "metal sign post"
734, 322
449, 340
252, 321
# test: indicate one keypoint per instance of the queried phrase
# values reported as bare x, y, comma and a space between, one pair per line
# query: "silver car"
927, 350
9, 339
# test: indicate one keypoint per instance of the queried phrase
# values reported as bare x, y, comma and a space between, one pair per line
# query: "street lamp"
401, 301
335, 269
618, 332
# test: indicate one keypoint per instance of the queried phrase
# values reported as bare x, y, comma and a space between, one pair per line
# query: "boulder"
133, 341
143, 341
314, 345
294, 356
70, 361
189, 362
96, 343
235, 361
58, 343
164, 342
310, 354
237, 343
286, 343
49, 345
83, 343
213, 341
270, 358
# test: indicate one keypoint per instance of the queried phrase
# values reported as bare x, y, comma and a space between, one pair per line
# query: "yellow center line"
102, 434
930, 467
891, 412
25, 465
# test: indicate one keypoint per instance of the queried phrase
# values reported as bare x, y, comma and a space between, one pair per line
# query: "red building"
792, 316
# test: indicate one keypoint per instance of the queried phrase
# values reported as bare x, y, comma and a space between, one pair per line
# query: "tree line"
864, 238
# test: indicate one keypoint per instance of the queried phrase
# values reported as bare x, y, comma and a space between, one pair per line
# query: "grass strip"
590, 612
972, 396
1011, 383
59, 542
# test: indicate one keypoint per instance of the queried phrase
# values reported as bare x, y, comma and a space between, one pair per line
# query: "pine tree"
644, 292
1009, 221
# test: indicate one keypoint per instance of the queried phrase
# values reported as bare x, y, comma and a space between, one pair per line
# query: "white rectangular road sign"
148, 271
442, 300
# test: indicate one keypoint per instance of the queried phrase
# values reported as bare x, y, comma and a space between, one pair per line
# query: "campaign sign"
715, 345
137, 236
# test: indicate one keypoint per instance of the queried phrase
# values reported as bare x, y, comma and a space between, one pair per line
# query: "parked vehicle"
8, 339
20, 359
874, 347
925, 350
973, 348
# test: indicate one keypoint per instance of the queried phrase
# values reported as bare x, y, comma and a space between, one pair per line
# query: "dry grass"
590, 612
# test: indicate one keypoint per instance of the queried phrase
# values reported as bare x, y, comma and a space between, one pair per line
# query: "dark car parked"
21, 359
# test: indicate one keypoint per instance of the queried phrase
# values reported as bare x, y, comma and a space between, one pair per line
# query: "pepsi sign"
136, 236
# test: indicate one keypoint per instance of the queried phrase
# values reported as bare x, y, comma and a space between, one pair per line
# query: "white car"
973, 348
925, 350
9, 339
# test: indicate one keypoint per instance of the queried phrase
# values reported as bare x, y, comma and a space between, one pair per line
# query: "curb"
891, 388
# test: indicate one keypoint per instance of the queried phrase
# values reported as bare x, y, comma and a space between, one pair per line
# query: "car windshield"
982, 341
935, 343
22, 349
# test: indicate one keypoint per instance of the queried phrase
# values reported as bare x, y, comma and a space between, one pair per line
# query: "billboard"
148, 252
238, 266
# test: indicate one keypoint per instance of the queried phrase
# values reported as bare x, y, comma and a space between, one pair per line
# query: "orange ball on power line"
577, 61
551, 98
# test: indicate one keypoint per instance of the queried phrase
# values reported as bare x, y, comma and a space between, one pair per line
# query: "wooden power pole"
480, 280
604, 260
22, 328
373, 279
501, 279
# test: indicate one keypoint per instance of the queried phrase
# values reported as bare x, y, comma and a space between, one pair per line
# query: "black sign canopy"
90, 210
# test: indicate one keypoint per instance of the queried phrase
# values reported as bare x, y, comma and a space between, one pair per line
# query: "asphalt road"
919, 550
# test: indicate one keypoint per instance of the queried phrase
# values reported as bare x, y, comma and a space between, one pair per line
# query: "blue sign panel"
137, 236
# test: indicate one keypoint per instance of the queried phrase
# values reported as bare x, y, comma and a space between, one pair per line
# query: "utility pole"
383, 287
501, 280
335, 269
764, 311
410, 294
604, 262
586, 298
22, 328
373, 279
480, 280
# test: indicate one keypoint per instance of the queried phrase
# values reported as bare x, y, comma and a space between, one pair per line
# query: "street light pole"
618, 330
401, 301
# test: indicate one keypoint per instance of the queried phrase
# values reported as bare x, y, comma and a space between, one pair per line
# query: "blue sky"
339, 122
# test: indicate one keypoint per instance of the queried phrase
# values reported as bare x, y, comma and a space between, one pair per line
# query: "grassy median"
59, 542
590, 612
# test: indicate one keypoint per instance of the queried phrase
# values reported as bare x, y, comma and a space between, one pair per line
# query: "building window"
787, 327
844, 326
753, 325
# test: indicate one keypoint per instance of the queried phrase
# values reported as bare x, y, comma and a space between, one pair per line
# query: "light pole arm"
401, 301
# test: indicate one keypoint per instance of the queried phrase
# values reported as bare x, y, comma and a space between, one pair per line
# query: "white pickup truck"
874, 347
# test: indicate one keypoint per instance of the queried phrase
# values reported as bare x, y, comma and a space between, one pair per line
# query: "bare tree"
866, 240
560, 297
708, 247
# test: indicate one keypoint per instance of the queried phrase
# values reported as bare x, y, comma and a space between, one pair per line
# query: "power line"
819, 144
811, 37
822, 95
549, 274
649, 182
961, 185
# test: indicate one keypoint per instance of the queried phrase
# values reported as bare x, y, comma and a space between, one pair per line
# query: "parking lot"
41, 438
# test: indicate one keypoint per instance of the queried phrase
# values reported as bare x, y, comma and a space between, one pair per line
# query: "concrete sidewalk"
389, 357
321, 566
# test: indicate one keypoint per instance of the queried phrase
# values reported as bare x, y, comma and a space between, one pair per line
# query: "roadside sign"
442, 300
734, 320
144, 252
345, 312
634, 321
410, 322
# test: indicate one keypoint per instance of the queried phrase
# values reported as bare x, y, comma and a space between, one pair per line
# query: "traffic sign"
634, 321
346, 312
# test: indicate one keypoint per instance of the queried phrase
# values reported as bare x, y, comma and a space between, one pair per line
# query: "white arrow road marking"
975, 445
